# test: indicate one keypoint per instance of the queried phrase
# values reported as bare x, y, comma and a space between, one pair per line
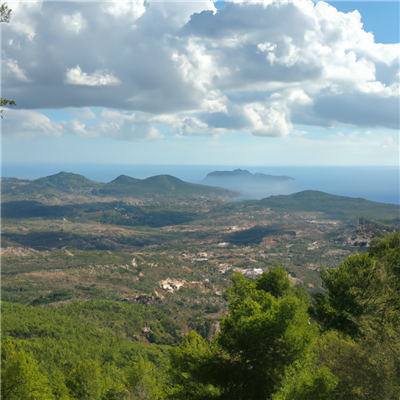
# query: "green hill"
66, 184
333, 206
162, 185
57, 185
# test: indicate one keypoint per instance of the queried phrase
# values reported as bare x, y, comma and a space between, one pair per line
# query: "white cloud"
75, 76
266, 121
113, 124
19, 73
134, 9
74, 23
28, 123
251, 67
81, 113
24, 18
116, 125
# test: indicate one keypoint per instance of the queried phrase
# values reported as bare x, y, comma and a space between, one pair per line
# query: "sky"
202, 83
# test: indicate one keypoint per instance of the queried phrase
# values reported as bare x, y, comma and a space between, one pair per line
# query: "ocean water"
381, 184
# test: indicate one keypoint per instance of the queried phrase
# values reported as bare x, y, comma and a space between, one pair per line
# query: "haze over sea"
373, 183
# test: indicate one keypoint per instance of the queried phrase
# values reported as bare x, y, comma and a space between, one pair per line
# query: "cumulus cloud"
29, 123
134, 9
110, 123
74, 23
116, 125
12, 68
255, 67
75, 76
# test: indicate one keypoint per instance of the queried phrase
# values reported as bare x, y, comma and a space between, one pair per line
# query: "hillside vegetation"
111, 296
275, 343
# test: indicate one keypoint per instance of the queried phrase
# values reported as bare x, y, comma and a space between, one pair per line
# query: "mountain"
253, 186
53, 186
162, 185
240, 177
245, 176
67, 182
63, 186
333, 206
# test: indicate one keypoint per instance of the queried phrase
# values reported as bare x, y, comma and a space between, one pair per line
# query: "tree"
361, 319
275, 282
192, 366
266, 331
364, 292
140, 382
5, 16
20, 374
85, 381
5, 13
306, 382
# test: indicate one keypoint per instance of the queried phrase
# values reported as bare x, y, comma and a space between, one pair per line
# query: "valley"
175, 253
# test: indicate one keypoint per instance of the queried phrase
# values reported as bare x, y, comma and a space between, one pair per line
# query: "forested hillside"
276, 342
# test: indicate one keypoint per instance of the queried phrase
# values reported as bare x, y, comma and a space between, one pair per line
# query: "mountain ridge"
63, 184
243, 173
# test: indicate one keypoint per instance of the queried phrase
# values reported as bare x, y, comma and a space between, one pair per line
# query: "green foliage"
84, 381
20, 374
190, 370
363, 370
140, 382
81, 351
4, 102
127, 320
305, 382
274, 282
201, 325
364, 289
261, 336
364, 302
339, 368
5, 13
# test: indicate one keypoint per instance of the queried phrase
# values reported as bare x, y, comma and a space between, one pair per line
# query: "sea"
380, 184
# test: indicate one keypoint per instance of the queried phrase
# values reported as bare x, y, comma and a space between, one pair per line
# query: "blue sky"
263, 83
